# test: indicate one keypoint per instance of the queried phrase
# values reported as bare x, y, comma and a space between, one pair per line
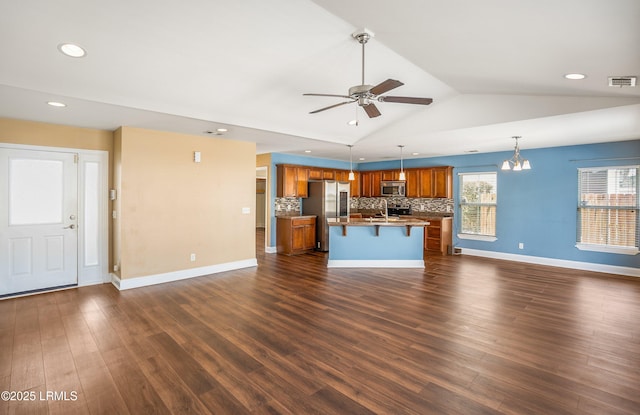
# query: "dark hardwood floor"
465, 336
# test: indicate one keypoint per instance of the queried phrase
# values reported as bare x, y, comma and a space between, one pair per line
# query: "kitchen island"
376, 243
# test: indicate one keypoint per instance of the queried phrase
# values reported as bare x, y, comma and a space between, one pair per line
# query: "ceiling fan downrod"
362, 38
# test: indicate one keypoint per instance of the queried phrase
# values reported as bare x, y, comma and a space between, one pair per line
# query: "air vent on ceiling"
621, 81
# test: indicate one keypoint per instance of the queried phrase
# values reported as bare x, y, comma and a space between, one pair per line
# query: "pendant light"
518, 162
402, 176
352, 176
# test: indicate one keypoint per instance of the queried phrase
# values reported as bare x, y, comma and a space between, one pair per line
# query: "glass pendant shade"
352, 176
402, 175
518, 162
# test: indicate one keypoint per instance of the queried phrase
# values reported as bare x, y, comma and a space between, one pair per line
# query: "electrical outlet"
193, 257
521, 245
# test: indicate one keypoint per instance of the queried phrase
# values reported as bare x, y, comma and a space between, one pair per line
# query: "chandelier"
517, 161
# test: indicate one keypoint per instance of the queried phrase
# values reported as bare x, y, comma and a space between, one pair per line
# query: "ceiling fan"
365, 95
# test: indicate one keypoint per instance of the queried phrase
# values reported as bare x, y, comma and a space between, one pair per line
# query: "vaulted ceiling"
494, 69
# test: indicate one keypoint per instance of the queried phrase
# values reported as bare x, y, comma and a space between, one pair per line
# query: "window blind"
608, 206
478, 198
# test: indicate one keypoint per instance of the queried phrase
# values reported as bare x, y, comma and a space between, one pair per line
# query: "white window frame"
461, 203
614, 249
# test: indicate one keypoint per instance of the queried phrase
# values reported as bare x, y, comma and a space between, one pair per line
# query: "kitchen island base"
376, 246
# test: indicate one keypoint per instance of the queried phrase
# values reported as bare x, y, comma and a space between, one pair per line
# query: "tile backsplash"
286, 205
439, 205
291, 205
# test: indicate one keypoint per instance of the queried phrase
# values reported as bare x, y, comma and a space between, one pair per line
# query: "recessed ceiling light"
307, 151
56, 104
575, 76
414, 154
361, 159
72, 50
221, 130
353, 122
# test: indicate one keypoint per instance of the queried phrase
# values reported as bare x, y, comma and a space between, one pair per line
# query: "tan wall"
264, 160
171, 207
53, 135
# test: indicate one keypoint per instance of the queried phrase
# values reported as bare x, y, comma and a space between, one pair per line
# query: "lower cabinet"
295, 234
438, 236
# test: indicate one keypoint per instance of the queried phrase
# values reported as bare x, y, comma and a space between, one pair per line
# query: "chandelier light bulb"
518, 162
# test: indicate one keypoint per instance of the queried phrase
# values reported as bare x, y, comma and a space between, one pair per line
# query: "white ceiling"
494, 69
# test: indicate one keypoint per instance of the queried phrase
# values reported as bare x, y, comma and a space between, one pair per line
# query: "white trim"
99, 273
94, 281
375, 263
470, 236
52, 149
128, 283
271, 249
608, 249
563, 263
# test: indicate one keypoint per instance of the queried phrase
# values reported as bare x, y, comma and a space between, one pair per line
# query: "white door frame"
95, 271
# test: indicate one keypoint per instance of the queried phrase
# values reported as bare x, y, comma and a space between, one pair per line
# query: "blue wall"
536, 207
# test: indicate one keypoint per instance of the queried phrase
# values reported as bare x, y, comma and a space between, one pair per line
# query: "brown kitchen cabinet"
438, 235
442, 178
342, 175
355, 184
430, 182
302, 175
315, 173
411, 186
295, 234
292, 181
390, 175
365, 184
328, 174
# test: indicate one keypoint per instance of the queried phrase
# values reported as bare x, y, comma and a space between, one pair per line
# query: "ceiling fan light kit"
365, 95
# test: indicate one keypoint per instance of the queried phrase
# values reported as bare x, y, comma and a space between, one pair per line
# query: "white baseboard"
128, 283
270, 249
375, 263
563, 263
94, 281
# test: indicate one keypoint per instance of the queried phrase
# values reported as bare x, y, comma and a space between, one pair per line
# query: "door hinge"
75, 159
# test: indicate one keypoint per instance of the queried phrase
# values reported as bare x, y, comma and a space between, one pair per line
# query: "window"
608, 209
478, 196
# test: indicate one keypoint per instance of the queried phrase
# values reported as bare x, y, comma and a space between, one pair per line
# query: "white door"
38, 220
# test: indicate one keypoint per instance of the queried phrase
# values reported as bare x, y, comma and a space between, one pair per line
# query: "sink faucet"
386, 210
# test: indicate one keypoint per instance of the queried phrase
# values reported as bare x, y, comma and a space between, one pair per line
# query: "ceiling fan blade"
327, 95
371, 110
406, 100
385, 86
331, 106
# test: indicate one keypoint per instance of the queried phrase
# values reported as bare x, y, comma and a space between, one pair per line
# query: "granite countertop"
292, 215
421, 215
376, 222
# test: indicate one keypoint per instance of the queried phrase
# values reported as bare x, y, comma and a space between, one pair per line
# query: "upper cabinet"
432, 182
370, 183
442, 182
427, 182
292, 181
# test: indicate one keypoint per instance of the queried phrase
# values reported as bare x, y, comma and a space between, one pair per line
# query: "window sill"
608, 249
485, 238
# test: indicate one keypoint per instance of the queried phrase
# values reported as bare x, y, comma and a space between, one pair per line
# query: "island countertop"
376, 222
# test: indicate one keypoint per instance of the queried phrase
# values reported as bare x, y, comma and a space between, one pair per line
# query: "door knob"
72, 226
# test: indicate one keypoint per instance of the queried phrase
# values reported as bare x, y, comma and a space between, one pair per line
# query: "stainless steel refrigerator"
327, 199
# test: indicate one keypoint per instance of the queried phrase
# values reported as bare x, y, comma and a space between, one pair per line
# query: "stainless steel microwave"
394, 188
